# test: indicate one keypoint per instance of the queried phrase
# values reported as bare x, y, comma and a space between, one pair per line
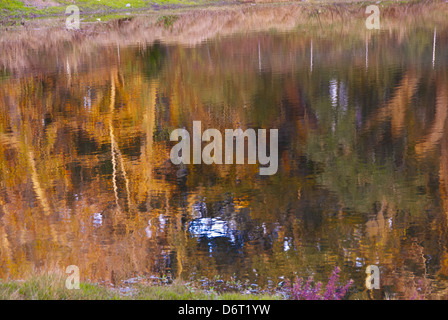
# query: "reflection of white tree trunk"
434, 49
36, 184
14, 141
115, 151
149, 124
311, 58
148, 157
112, 138
25, 148
40, 193
125, 176
367, 54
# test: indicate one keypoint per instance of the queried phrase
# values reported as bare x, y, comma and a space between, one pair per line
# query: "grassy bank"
18, 43
52, 287
28, 9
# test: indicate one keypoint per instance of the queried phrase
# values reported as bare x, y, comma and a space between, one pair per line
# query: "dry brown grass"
19, 45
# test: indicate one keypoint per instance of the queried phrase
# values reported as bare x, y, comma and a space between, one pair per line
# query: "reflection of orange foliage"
51, 188
43, 153
437, 130
444, 265
397, 106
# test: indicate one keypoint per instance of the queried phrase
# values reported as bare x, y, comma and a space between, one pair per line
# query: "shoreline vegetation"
51, 286
190, 26
32, 9
192, 22
18, 12
32, 14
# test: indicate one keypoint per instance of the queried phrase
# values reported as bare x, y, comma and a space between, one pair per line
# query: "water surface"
86, 178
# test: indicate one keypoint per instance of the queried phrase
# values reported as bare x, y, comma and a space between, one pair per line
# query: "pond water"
86, 177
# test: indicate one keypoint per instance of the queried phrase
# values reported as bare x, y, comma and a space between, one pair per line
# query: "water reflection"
86, 177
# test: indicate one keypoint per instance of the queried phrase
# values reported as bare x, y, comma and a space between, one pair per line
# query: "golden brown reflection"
86, 177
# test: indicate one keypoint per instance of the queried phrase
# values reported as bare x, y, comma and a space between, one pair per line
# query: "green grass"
16, 9
94, 5
52, 287
13, 7
167, 21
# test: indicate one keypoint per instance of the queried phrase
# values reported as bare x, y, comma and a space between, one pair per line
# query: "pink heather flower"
313, 291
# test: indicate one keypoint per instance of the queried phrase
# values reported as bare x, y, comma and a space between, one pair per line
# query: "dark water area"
86, 176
